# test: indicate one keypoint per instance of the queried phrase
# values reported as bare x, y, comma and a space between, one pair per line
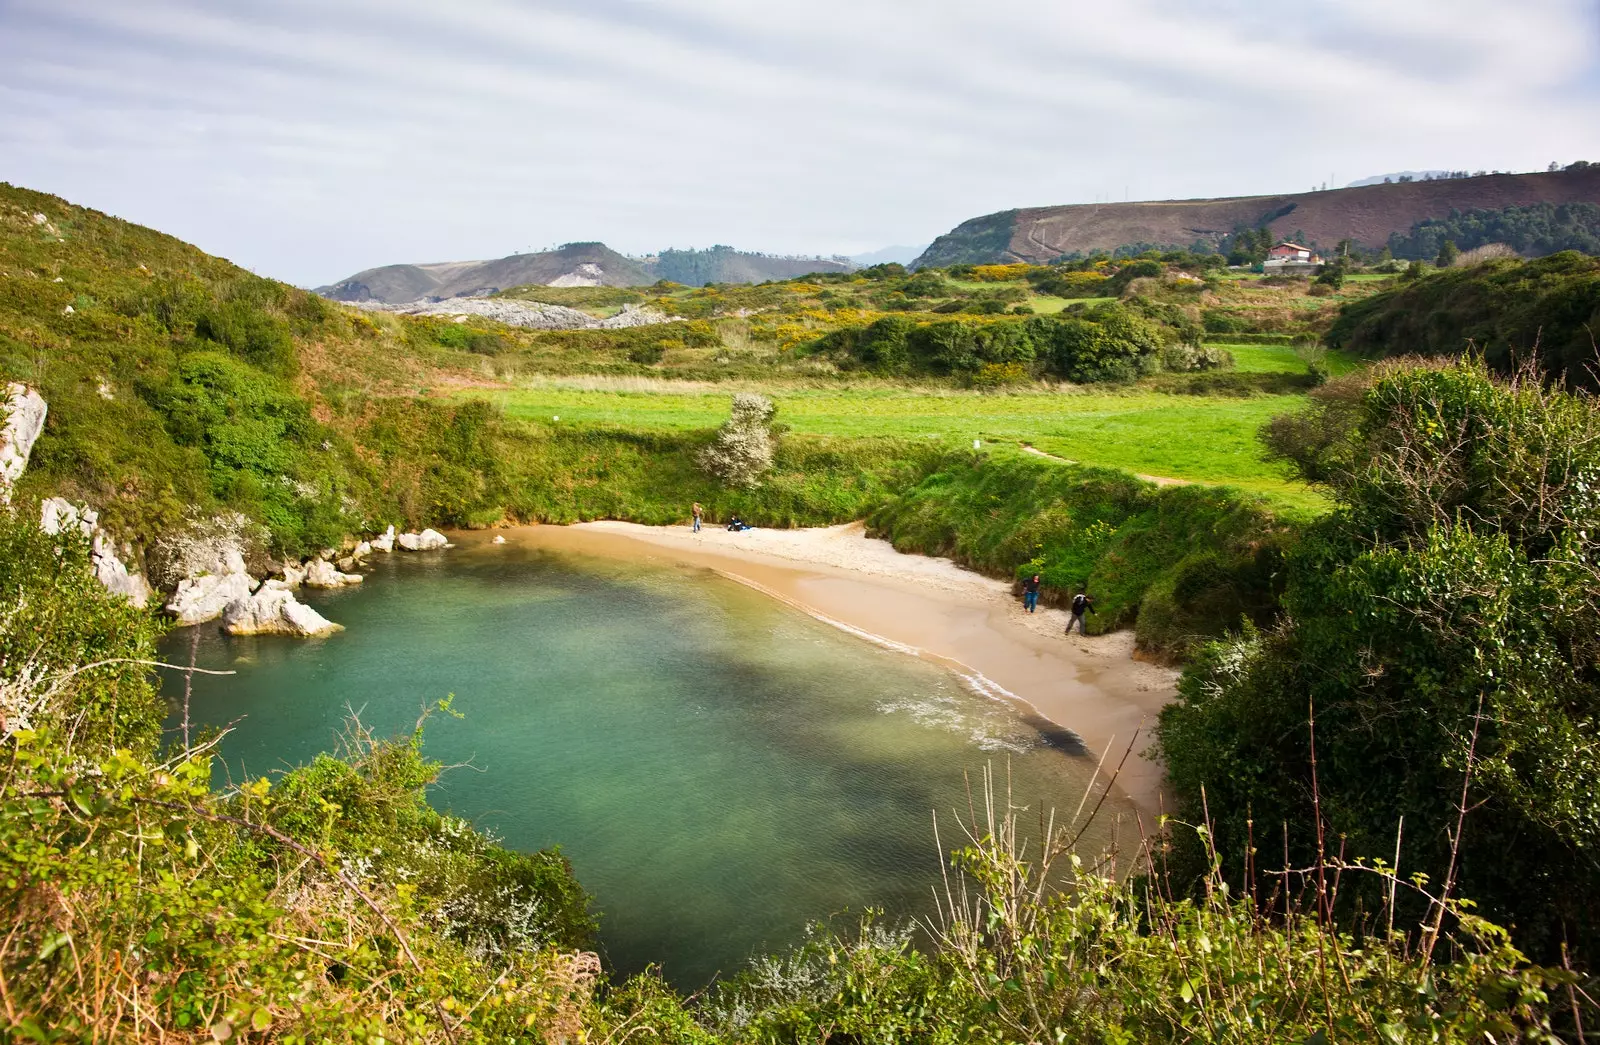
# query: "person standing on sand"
1030, 593
699, 513
1081, 604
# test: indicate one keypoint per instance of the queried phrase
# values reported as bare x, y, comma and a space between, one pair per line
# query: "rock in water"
320, 573
499, 539
384, 543
294, 575
24, 420
427, 540
203, 598
275, 611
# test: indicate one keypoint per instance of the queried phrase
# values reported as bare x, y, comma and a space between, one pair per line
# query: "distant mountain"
571, 265
902, 255
1379, 179
1368, 215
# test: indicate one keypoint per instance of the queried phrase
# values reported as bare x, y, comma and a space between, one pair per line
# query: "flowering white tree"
742, 451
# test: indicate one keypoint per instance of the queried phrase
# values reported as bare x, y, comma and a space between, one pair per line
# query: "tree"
1448, 253
743, 449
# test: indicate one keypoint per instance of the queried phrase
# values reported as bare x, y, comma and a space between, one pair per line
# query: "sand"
931, 608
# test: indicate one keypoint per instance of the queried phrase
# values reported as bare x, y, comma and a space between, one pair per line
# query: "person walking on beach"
1081, 604
699, 514
1030, 593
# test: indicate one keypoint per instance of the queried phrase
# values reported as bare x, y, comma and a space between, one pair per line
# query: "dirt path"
1159, 480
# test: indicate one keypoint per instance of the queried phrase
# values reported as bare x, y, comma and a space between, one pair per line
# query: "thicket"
1546, 311
1533, 231
1440, 631
1177, 564
1104, 343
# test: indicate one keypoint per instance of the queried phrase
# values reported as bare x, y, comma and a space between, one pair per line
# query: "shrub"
744, 445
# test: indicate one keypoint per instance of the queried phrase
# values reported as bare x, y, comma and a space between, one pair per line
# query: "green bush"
1442, 626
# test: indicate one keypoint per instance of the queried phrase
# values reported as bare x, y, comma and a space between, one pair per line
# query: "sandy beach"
931, 608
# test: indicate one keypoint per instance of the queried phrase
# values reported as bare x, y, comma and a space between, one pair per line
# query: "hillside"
571, 265
1368, 214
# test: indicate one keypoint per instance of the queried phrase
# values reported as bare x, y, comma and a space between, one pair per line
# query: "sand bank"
930, 607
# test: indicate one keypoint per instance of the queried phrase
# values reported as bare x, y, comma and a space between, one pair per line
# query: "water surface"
720, 768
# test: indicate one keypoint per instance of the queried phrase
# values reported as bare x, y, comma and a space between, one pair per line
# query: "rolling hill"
1368, 214
571, 265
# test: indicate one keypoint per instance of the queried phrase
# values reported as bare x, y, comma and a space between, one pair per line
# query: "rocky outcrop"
427, 540
320, 573
203, 598
275, 611
24, 411
58, 515
384, 543
527, 314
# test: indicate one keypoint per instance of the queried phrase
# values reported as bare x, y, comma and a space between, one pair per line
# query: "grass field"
1206, 439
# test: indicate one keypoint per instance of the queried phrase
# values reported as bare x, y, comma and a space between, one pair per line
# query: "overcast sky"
308, 139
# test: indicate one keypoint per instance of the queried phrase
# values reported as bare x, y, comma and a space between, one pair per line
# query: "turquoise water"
720, 768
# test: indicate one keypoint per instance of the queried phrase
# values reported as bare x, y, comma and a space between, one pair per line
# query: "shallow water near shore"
721, 768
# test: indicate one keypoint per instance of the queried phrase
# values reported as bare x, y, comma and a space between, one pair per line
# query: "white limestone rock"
59, 515
320, 573
25, 411
203, 598
275, 611
427, 540
384, 543
498, 539
294, 575
361, 550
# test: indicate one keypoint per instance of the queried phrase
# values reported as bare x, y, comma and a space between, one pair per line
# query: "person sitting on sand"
1081, 604
1030, 593
736, 524
699, 513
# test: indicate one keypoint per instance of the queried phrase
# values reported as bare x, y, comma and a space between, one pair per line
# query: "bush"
1442, 624
743, 449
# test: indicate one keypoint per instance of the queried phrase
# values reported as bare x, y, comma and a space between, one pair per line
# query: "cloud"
312, 139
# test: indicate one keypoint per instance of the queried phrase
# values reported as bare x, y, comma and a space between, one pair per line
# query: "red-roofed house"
1292, 257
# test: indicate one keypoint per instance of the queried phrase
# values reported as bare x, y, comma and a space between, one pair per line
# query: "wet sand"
1092, 687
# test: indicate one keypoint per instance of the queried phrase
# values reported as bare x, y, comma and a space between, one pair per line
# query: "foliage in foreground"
1440, 627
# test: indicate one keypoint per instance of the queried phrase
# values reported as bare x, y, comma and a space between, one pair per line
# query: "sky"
309, 139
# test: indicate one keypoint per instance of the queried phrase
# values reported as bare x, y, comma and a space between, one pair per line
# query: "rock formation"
25, 410
384, 543
275, 611
320, 573
59, 514
427, 540
203, 598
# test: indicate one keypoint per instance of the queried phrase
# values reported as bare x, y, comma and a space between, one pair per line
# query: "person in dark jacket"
1030, 593
1081, 604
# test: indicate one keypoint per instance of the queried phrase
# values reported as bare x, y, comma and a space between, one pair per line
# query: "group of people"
1081, 604
734, 523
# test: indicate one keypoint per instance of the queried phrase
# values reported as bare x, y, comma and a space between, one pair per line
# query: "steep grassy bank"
1175, 563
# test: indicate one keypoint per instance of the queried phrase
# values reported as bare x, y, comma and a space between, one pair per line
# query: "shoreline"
1092, 690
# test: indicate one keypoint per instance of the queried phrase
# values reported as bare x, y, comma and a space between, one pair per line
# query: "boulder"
361, 550
427, 540
24, 419
498, 539
203, 598
320, 573
110, 572
275, 611
384, 543
294, 574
